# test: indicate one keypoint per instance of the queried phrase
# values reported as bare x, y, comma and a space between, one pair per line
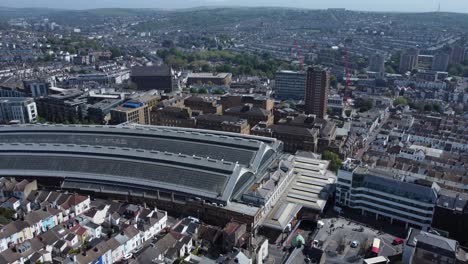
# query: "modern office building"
408, 60
440, 62
290, 85
36, 88
153, 78
386, 196
18, 110
316, 93
99, 113
67, 106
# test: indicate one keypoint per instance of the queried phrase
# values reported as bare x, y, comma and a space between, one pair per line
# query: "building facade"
155, 77
17, 109
223, 123
68, 106
131, 112
172, 116
201, 78
385, 196
290, 85
316, 94
440, 62
408, 60
377, 63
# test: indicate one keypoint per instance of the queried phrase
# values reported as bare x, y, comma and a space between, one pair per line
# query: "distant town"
233, 135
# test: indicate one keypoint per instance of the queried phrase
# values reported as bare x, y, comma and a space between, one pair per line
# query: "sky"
364, 5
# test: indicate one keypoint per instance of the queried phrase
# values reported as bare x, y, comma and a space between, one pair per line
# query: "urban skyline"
233, 135
459, 6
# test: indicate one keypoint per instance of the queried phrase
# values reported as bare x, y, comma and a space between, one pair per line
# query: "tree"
116, 52
206, 68
202, 91
428, 107
193, 90
333, 81
400, 101
364, 104
348, 113
389, 69
436, 108
218, 91
335, 161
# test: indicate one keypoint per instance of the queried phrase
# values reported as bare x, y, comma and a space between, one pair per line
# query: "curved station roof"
200, 163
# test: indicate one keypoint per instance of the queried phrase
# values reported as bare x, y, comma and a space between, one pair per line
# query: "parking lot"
344, 241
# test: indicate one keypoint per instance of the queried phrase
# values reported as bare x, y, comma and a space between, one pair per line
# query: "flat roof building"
385, 195
290, 85
153, 78
200, 78
18, 110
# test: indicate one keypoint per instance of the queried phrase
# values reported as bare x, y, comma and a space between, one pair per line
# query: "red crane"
298, 54
347, 77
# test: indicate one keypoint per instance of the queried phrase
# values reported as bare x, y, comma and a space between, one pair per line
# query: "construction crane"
298, 55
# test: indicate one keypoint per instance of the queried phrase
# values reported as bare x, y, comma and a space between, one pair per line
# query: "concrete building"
290, 85
425, 62
154, 77
316, 95
457, 54
440, 62
18, 110
377, 64
386, 196
335, 104
408, 60
36, 88
201, 78
99, 113
67, 106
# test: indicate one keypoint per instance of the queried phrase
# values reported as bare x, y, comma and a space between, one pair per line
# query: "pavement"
337, 235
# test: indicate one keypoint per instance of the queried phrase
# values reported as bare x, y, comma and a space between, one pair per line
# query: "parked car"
128, 256
397, 241
138, 249
354, 244
315, 243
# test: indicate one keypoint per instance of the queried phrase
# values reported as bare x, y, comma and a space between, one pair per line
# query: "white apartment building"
18, 109
385, 195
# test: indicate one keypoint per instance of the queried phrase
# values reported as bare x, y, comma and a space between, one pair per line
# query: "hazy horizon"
460, 6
